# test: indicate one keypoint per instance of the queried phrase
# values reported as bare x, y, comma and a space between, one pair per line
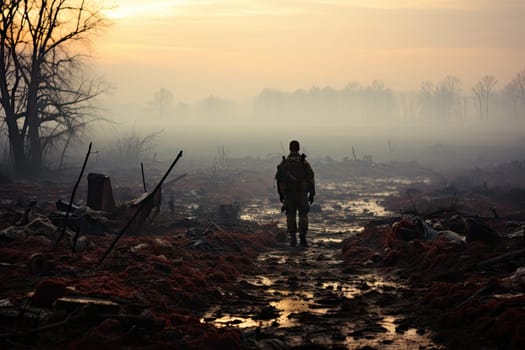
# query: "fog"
443, 129
439, 82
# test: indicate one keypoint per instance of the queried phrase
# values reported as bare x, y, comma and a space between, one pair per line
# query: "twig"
143, 177
171, 182
63, 228
476, 294
74, 315
493, 210
502, 257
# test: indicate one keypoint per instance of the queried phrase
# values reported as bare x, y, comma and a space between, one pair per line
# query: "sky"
236, 48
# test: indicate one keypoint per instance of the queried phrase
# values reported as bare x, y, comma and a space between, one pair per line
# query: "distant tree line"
444, 100
353, 101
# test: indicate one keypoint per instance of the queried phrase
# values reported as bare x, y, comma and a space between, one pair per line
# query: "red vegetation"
473, 308
168, 277
47, 292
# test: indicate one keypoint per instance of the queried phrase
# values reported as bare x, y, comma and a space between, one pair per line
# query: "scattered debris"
453, 269
143, 209
100, 193
229, 213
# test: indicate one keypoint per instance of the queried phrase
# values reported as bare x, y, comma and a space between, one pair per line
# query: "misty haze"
440, 125
262, 175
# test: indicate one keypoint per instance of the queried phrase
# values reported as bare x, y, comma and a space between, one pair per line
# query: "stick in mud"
503, 257
64, 223
494, 212
143, 177
171, 182
130, 221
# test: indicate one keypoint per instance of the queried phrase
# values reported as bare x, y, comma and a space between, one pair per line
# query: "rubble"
468, 275
147, 292
153, 283
154, 287
100, 193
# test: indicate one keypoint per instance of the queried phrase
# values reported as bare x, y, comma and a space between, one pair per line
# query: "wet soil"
308, 296
190, 281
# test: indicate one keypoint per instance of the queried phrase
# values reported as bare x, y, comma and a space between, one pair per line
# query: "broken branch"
143, 177
64, 223
502, 257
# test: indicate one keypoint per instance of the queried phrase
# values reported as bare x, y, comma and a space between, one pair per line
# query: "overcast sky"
235, 48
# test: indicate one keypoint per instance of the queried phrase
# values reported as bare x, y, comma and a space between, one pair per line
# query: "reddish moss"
217, 340
48, 291
509, 328
218, 276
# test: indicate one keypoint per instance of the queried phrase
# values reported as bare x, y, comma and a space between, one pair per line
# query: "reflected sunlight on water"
305, 289
339, 206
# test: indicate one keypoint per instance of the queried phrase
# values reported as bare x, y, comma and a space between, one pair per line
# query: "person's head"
294, 146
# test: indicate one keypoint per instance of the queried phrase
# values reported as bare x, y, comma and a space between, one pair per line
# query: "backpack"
291, 175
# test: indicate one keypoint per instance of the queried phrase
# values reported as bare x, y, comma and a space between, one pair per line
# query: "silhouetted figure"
296, 188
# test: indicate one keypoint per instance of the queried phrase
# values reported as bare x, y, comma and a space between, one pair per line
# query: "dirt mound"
465, 287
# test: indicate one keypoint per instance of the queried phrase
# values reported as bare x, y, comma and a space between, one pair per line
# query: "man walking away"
296, 188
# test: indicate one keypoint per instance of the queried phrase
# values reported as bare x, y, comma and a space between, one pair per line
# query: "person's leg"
291, 223
303, 209
303, 229
293, 239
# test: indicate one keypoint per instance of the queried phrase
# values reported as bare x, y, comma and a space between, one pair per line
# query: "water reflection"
339, 206
307, 292
392, 338
288, 304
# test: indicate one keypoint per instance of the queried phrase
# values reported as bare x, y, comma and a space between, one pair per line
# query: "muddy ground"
194, 279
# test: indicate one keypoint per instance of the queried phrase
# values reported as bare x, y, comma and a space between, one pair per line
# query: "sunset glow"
237, 48
128, 9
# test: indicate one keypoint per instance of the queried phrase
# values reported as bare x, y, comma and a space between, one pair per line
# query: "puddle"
286, 307
327, 240
290, 310
261, 281
339, 207
234, 321
272, 258
390, 337
362, 283
305, 295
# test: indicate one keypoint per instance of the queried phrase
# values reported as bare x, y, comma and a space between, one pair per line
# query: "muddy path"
300, 296
303, 296
195, 282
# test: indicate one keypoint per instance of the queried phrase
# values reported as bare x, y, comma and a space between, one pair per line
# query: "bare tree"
448, 96
511, 91
221, 160
442, 100
519, 82
478, 91
162, 99
426, 98
489, 82
132, 148
44, 95
482, 90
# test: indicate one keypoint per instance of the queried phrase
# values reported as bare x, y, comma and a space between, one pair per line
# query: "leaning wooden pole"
143, 177
64, 223
130, 221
